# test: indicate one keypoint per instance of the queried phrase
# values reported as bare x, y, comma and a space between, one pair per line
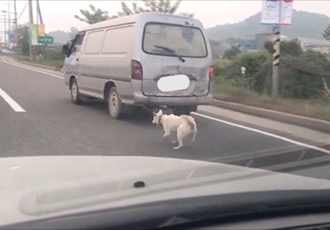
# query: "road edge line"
263, 133
32, 69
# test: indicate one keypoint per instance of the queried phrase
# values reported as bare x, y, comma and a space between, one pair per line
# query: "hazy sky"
59, 14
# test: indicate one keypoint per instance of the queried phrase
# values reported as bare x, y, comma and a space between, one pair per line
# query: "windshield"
182, 40
157, 100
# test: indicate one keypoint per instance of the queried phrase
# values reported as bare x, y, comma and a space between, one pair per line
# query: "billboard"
36, 31
34, 34
41, 30
13, 38
276, 12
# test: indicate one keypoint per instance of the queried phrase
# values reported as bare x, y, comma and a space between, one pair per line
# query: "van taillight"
211, 73
137, 73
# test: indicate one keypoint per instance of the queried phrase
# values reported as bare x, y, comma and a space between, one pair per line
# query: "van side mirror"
65, 49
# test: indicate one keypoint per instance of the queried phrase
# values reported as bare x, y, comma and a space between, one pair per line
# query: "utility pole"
5, 25
30, 32
9, 21
39, 12
15, 24
37, 23
15, 13
276, 54
42, 48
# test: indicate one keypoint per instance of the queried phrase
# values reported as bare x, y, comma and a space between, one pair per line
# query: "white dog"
181, 125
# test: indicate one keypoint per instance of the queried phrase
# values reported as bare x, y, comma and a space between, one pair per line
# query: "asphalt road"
45, 122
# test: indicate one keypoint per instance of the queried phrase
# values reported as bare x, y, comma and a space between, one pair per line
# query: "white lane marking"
264, 133
33, 69
16, 107
223, 121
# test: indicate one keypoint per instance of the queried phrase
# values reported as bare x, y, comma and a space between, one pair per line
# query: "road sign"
46, 40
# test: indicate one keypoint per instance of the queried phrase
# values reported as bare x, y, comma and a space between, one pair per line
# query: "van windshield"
182, 40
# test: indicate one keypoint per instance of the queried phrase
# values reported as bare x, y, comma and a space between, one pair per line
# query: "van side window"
79, 40
94, 42
116, 40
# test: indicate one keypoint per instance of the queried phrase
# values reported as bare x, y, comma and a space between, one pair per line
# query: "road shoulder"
311, 123
284, 129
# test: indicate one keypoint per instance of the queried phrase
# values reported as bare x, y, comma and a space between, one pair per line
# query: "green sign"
46, 40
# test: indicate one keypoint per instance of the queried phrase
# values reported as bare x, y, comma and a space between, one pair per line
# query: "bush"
54, 54
231, 70
300, 76
292, 48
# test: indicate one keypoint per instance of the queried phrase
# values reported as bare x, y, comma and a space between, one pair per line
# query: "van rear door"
175, 50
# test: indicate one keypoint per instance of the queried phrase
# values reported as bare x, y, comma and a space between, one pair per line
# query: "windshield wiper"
170, 50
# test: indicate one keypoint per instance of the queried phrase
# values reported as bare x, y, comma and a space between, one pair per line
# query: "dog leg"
166, 135
194, 136
180, 141
173, 141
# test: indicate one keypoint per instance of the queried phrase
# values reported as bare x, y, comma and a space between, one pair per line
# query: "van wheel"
114, 104
75, 95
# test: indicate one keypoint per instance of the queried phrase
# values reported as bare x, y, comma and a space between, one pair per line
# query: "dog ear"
153, 113
160, 111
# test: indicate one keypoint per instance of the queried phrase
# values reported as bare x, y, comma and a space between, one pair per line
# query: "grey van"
123, 61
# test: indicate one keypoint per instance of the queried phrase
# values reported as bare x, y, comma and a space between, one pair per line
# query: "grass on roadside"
318, 108
58, 64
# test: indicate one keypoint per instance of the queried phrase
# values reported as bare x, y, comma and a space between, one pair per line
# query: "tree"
233, 41
127, 11
23, 38
72, 33
95, 15
326, 33
187, 14
232, 52
292, 48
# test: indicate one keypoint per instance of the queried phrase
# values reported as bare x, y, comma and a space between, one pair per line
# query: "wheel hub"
74, 91
113, 102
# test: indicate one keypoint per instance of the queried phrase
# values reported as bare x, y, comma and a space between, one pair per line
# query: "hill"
304, 24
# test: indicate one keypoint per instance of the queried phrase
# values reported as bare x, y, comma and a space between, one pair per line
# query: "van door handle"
77, 59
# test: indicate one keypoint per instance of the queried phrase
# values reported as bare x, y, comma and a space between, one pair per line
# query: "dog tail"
191, 122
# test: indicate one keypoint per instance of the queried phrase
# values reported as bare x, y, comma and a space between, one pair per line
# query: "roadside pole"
276, 61
5, 26
9, 21
15, 13
30, 32
277, 13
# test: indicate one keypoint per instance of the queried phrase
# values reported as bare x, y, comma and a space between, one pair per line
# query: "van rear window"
184, 41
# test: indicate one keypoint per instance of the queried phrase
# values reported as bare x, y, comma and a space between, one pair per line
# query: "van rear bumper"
172, 101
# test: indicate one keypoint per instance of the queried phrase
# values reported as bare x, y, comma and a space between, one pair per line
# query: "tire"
114, 104
75, 95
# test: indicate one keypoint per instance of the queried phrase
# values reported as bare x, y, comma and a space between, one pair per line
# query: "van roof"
127, 19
